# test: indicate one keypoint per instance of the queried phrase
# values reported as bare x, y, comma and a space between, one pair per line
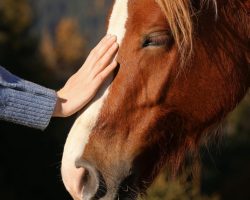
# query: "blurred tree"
69, 43
47, 50
176, 190
184, 187
15, 21
99, 4
16, 13
238, 121
34, 178
18, 47
66, 53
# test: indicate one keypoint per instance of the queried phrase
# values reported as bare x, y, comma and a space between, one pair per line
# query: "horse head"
183, 65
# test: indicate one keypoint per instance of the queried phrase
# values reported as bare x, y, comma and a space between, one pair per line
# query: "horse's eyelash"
156, 40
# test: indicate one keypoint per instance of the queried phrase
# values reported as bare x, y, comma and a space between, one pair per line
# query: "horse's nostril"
89, 182
86, 177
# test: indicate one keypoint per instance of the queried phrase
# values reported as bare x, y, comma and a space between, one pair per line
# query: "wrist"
59, 111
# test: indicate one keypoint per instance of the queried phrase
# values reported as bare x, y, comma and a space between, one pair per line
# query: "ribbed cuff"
28, 108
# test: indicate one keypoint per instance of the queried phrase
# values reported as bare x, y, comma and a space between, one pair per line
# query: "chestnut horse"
183, 66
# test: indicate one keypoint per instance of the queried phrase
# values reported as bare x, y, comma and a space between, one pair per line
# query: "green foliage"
15, 16
59, 51
238, 126
17, 46
66, 53
176, 190
224, 169
15, 20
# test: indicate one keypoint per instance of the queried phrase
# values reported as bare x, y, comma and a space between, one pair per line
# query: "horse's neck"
246, 6
238, 15
246, 9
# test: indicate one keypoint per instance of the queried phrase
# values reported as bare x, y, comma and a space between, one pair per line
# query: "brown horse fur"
157, 111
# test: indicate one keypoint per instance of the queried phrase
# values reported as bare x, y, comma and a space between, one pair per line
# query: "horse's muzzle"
82, 180
89, 182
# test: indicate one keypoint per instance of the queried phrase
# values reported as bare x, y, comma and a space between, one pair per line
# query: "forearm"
32, 105
25, 103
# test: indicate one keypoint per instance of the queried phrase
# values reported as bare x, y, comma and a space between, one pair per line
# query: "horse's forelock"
179, 14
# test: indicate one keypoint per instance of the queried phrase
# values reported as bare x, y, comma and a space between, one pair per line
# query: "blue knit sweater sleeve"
25, 103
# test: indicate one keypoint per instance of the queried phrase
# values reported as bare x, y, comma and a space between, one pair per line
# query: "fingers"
106, 72
106, 59
104, 39
97, 53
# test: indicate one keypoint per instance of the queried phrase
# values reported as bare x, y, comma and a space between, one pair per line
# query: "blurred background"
45, 42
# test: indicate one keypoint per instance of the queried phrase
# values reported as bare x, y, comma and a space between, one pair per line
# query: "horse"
183, 66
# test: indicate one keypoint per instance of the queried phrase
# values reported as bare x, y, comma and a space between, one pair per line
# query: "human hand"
83, 85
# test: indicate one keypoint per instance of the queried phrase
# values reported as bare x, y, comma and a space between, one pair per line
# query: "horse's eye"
158, 39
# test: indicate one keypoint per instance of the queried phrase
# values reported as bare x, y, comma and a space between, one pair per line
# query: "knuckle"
101, 77
92, 75
100, 64
103, 61
93, 52
97, 53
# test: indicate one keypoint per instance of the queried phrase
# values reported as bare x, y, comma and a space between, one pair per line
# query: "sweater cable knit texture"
24, 102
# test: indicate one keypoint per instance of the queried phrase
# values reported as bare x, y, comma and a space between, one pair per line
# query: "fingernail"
113, 62
112, 37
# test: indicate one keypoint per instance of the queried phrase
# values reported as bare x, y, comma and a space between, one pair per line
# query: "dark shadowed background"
45, 42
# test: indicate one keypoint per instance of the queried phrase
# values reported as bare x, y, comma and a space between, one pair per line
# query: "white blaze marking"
118, 19
82, 128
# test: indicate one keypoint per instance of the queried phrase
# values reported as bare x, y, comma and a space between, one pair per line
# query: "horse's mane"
180, 14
